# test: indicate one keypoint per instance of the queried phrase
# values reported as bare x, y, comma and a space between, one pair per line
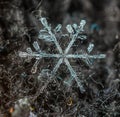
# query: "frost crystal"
46, 34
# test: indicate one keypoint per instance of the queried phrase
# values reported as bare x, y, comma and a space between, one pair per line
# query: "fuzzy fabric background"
23, 94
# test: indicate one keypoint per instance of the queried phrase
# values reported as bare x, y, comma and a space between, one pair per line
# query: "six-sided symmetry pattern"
46, 34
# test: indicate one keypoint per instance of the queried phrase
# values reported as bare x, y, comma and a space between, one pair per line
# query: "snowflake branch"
74, 36
84, 56
57, 66
52, 36
74, 75
71, 43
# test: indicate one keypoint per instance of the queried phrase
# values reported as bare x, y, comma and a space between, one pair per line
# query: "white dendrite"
46, 34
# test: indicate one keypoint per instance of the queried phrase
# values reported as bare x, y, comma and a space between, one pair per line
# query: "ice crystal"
74, 32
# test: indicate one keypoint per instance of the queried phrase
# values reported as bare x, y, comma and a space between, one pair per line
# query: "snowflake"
46, 34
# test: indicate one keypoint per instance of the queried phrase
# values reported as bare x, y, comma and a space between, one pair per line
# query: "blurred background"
22, 94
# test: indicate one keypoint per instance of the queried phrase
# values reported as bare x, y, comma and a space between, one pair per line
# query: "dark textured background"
19, 27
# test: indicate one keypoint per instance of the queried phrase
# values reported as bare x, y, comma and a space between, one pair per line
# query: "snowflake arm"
57, 66
74, 75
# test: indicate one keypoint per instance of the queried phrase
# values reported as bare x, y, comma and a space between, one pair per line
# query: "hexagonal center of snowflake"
63, 56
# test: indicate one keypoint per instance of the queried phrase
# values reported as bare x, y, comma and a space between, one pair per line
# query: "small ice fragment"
82, 37
90, 47
36, 46
29, 50
23, 54
101, 56
32, 114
